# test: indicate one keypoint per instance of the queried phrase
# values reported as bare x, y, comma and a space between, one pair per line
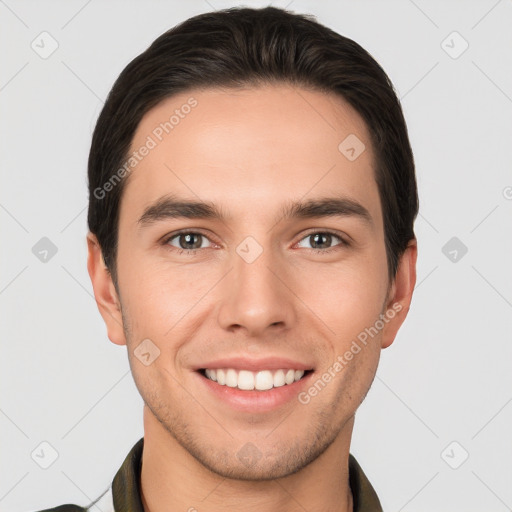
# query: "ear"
400, 294
105, 292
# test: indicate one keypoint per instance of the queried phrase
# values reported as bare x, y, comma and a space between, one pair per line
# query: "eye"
322, 241
187, 241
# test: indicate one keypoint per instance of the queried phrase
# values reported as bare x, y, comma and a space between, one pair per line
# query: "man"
252, 200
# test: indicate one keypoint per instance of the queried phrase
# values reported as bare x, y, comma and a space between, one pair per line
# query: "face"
252, 275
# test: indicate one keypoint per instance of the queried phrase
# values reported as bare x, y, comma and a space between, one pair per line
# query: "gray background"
445, 379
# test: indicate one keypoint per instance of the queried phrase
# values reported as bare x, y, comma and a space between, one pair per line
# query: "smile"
246, 380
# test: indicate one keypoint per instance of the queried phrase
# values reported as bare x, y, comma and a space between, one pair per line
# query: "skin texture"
250, 151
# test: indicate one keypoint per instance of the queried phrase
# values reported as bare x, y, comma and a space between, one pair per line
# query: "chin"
258, 460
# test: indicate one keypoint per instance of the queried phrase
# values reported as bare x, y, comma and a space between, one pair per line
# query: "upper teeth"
246, 380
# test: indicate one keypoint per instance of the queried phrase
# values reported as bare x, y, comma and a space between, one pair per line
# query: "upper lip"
251, 364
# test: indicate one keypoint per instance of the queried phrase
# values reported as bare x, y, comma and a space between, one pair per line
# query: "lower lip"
256, 401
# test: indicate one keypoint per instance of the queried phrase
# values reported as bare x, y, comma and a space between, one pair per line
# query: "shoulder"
364, 495
65, 508
127, 478
104, 504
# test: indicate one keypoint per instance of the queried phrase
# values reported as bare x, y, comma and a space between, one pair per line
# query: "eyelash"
179, 250
192, 252
344, 243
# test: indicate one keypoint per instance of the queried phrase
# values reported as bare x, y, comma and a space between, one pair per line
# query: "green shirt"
124, 493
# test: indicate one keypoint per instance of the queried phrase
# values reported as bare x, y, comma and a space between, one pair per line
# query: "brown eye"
322, 241
187, 241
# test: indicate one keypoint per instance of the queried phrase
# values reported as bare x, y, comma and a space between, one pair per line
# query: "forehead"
245, 148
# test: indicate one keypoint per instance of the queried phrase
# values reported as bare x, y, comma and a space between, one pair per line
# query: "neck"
172, 480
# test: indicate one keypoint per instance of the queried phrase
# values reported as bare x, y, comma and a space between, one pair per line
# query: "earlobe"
400, 295
105, 292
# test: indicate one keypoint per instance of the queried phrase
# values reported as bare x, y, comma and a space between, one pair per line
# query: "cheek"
347, 297
159, 298
163, 303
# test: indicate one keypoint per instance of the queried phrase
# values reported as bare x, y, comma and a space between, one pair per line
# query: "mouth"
253, 386
254, 391
247, 380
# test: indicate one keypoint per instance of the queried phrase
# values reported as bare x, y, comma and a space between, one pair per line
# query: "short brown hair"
240, 47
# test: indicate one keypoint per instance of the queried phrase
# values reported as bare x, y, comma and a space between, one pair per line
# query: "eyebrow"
170, 207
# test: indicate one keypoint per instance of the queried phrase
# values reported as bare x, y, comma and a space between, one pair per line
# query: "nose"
257, 296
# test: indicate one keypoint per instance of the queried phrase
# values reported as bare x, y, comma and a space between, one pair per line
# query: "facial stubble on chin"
279, 460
